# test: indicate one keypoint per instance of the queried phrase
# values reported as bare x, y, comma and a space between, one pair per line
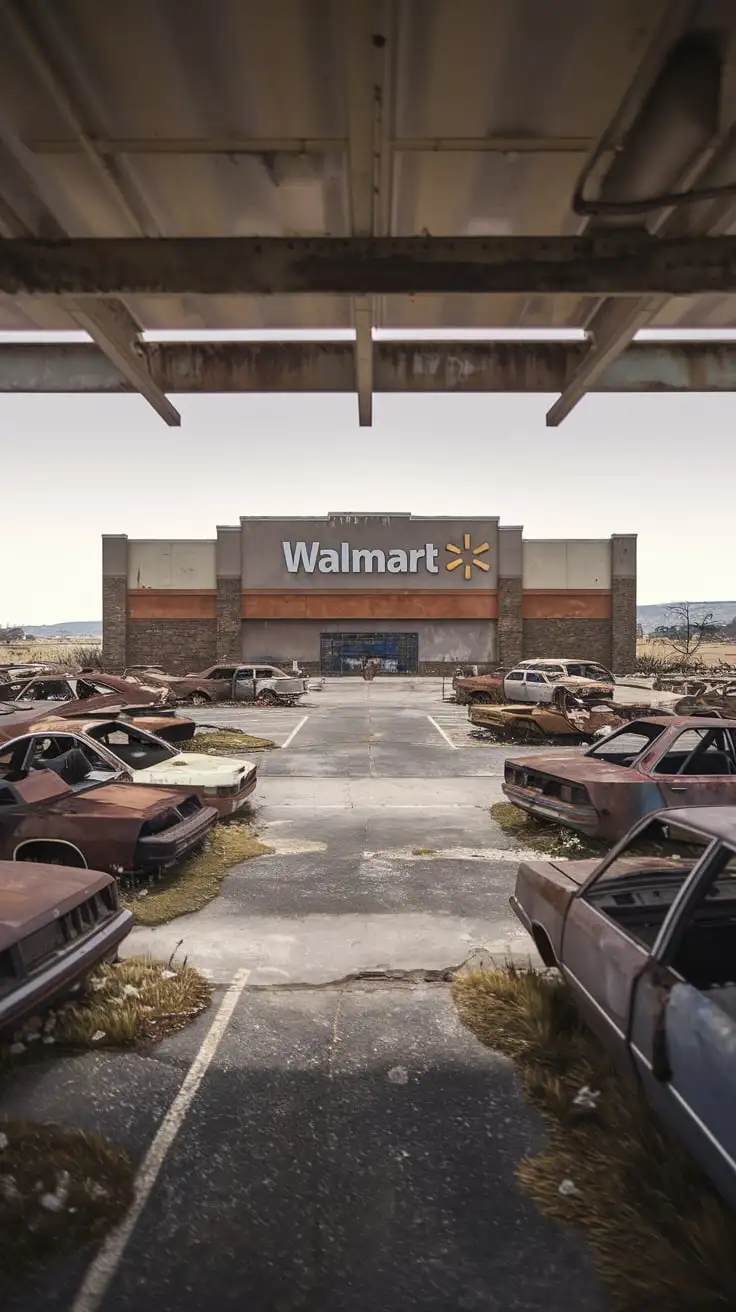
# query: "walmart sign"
303, 557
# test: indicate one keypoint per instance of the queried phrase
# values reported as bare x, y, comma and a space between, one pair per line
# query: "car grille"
30, 952
189, 806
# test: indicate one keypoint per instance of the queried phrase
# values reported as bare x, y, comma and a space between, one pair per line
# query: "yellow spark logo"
461, 554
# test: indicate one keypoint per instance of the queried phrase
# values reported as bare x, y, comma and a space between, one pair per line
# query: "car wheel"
267, 697
482, 699
197, 699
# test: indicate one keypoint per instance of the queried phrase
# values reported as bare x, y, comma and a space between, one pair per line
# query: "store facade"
419, 595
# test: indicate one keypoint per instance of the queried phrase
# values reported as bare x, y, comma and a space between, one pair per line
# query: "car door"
604, 949
696, 767
513, 686
683, 1028
537, 687
244, 684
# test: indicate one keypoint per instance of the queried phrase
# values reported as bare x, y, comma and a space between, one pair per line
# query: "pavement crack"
334, 1038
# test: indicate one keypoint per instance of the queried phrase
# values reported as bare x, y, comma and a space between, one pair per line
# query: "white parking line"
439, 729
294, 732
104, 1267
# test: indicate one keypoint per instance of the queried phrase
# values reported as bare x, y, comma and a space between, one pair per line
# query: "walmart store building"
424, 595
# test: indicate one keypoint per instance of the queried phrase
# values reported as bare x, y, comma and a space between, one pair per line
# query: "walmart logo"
466, 556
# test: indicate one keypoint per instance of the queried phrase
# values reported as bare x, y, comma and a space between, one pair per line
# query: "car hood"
34, 893
195, 770
577, 767
123, 798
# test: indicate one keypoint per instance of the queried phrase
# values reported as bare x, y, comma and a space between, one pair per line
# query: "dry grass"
198, 880
59, 1189
134, 1001
220, 742
662, 1237
424, 851
548, 840
77, 652
711, 653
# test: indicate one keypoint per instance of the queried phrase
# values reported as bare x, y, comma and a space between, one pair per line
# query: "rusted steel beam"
607, 263
206, 367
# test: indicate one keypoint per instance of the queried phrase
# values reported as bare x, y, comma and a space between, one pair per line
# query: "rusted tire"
482, 699
267, 698
197, 699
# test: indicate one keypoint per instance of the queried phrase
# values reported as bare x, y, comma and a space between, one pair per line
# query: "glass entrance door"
346, 653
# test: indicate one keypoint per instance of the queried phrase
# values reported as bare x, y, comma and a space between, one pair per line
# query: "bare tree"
690, 628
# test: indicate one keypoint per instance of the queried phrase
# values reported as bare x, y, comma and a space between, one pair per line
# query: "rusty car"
639, 768
572, 721
264, 684
61, 814
62, 686
116, 750
538, 682
75, 696
645, 940
56, 925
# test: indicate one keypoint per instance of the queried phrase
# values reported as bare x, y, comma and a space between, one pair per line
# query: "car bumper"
583, 818
231, 805
64, 971
520, 913
157, 851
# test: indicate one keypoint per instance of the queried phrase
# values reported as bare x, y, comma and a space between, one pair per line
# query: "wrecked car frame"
645, 940
639, 768
56, 925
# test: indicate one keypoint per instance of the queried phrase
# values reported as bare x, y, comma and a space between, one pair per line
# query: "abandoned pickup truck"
639, 768
63, 816
56, 925
264, 684
113, 749
646, 941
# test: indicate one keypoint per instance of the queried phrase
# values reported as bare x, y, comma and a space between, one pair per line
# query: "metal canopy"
447, 122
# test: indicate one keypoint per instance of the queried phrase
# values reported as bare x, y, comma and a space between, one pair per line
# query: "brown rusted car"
535, 723
646, 940
61, 685
61, 815
265, 684
56, 925
75, 697
634, 771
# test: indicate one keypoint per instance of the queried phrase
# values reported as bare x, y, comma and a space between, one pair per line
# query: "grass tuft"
549, 840
198, 880
221, 742
662, 1237
59, 1189
134, 1001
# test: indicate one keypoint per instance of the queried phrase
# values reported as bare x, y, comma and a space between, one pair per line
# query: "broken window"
624, 745
699, 752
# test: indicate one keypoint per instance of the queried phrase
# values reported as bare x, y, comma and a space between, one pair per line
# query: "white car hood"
195, 770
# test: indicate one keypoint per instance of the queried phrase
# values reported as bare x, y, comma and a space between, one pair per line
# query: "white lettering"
397, 562
300, 559
432, 554
415, 555
329, 561
365, 560
345, 557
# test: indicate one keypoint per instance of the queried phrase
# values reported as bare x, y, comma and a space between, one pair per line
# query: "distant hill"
650, 617
69, 628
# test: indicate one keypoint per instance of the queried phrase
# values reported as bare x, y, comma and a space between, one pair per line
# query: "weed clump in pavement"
198, 880
223, 742
59, 1189
130, 1002
662, 1236
548, 840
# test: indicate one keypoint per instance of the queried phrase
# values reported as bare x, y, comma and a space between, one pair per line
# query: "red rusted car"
639, 768
75, 697
61, 815
56, 925
646, 940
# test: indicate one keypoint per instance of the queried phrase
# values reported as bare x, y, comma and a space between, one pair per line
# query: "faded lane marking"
294, 732
104, 1267
455, 854
440, 730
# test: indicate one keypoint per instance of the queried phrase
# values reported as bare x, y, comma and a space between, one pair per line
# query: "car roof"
678, 721
716, 821
562, 660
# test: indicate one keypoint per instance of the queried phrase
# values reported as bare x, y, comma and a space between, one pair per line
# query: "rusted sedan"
73, 696
265, 684
646, 940
114, 749
62, 815
56, 925
639, 768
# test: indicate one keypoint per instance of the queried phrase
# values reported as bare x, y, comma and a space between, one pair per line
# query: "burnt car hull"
56, 925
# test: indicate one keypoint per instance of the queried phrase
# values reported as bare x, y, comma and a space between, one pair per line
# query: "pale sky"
74, 467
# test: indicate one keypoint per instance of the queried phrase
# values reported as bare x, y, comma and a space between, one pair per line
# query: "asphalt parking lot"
328, 1136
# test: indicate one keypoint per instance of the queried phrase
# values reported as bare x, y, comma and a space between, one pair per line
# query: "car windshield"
134, 747
625, 745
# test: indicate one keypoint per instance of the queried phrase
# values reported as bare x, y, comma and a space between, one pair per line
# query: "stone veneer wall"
114, 622
229, 620
623, 611
510, 627
178, 645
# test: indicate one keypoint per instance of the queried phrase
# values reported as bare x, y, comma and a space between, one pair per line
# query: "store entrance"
346, 653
